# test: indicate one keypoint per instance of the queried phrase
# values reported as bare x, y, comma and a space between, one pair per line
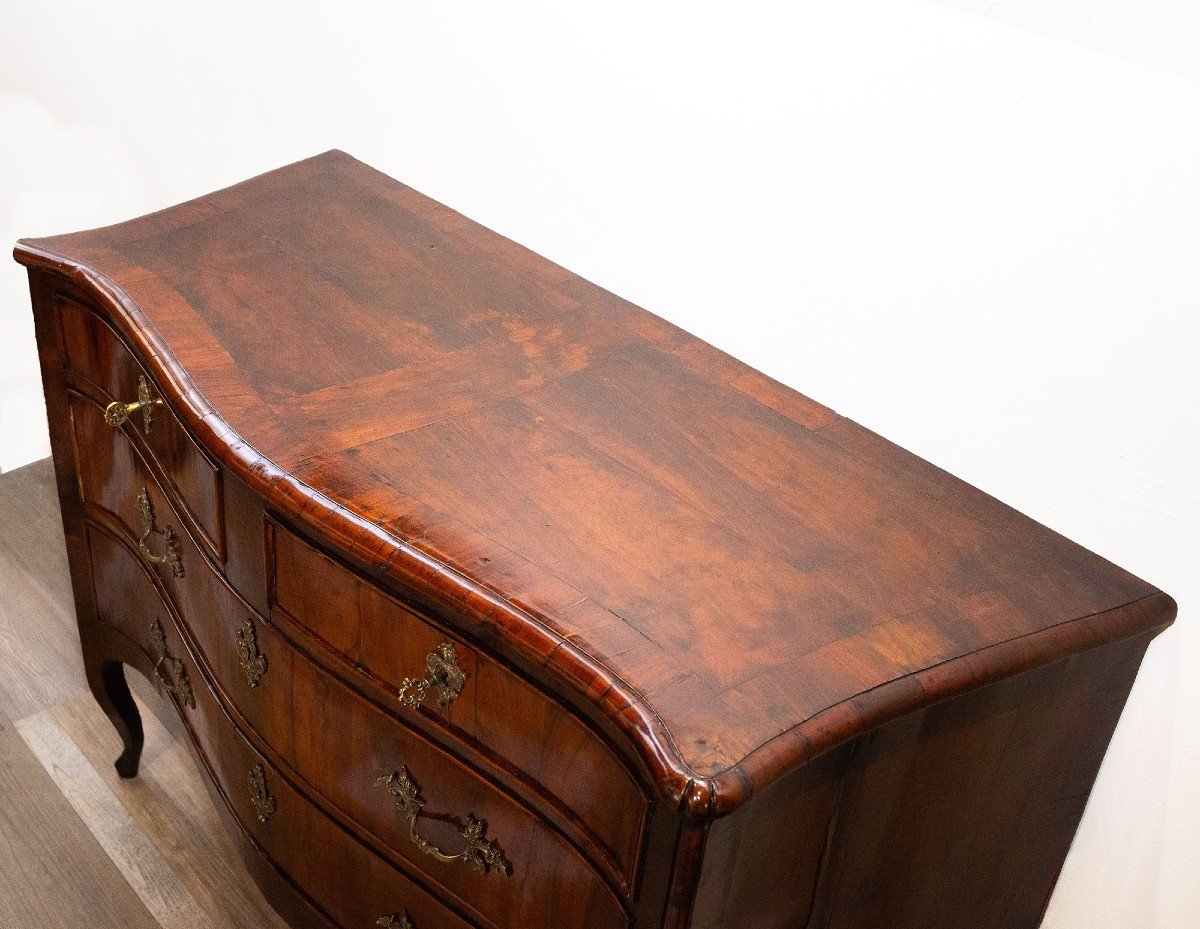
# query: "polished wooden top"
734, 574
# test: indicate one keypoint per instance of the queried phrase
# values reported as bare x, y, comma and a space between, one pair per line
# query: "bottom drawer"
340, 876
351, 884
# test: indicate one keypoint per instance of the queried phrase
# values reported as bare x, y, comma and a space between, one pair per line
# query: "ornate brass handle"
260, 796
480, 854
443, 675
117, 412
170, 671
253, 662
170, 554
395, 921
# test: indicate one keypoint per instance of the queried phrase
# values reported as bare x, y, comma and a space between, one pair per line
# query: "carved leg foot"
108, 685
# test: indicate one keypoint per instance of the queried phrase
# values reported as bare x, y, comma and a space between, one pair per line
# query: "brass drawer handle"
395, 921
170, 553
480, 854
260, 796
117, 412
170, 671
443, 675
253, 662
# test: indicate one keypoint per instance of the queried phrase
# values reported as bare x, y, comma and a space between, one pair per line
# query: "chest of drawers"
490, 600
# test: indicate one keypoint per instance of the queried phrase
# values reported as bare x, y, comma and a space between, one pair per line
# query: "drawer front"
342, 877
102, 367
478, 701
421, 802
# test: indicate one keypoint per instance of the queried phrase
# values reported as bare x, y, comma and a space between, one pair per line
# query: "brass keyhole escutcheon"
117, 412
253, 662
443, 676
260, 795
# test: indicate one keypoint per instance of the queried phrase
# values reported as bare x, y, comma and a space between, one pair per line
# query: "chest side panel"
958, 815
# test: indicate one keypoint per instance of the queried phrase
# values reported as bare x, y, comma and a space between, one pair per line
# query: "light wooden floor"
79, 847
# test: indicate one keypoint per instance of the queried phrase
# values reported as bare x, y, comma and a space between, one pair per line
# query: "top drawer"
100, 365
462, 691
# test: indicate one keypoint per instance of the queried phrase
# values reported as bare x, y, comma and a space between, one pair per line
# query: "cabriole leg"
107, 681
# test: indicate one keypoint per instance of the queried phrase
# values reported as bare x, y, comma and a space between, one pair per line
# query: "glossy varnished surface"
734, 575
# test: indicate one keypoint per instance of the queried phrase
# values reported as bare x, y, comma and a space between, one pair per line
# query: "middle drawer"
494, 855
422, 670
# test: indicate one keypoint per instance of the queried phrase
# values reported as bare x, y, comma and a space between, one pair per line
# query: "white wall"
981, 241
1160, 33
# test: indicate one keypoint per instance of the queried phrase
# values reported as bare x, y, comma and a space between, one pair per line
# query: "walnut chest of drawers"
490, 600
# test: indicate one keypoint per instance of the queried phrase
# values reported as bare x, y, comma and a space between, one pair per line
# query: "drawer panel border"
380, 693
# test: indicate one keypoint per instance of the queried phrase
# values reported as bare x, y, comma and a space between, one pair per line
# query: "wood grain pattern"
751, 577
858, 839
732, 660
